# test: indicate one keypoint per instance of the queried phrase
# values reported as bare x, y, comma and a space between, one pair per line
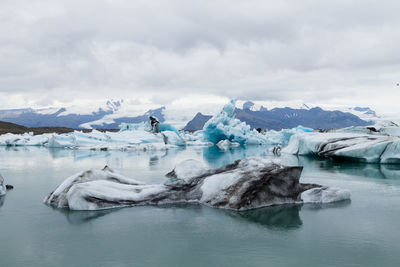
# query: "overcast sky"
343, 52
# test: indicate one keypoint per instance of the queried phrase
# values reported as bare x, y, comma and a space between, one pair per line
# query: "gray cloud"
316, 51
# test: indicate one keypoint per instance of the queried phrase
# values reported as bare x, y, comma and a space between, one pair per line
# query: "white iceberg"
26, 139
245, 184
135, 139
282, 137
325, 195
347, 146
226, 144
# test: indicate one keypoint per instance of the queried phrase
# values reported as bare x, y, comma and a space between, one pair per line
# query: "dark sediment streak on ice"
245, 184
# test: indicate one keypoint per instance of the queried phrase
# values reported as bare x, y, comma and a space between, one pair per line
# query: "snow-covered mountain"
288, 117
109, 114
94, 115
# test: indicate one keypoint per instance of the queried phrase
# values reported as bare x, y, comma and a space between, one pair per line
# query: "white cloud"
61, 52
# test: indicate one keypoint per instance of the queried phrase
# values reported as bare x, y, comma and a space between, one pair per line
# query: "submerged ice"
245, 184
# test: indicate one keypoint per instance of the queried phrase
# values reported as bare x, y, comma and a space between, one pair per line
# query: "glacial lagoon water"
361, 232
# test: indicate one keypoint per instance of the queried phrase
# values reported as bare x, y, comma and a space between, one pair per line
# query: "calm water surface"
360, 232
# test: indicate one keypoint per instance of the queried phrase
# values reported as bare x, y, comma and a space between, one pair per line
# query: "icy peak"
248, 105
114, 105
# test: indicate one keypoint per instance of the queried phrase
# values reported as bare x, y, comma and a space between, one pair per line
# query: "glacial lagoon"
360, 232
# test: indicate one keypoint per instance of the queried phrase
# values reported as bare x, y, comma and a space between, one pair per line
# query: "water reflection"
216, 157
154, 156
279, 217
15, 148
81, 217
319, 206
282, 217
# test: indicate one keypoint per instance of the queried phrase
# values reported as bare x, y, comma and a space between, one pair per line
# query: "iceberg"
347, 146
226, 144
173, 138
195, 139
130, 137
26, 139
282, 137
245, 184
325, 195
224, 126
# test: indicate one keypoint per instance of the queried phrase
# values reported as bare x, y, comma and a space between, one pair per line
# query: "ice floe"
96, 140
325, 195
226, 144
347, 146
245, 184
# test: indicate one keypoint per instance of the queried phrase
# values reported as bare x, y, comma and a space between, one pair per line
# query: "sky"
59, 53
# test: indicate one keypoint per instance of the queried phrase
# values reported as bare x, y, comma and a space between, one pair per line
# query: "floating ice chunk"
26, 139
225, 144
346, 146
173, 138
245, 184
60, 198
135, 140
62, 141
282, 137
325, 195
195, 139
2, 186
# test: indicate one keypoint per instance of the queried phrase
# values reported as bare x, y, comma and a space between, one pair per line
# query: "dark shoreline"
7, 127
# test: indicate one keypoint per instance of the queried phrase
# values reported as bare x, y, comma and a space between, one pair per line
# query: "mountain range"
110, 116
284, 118
76, 119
